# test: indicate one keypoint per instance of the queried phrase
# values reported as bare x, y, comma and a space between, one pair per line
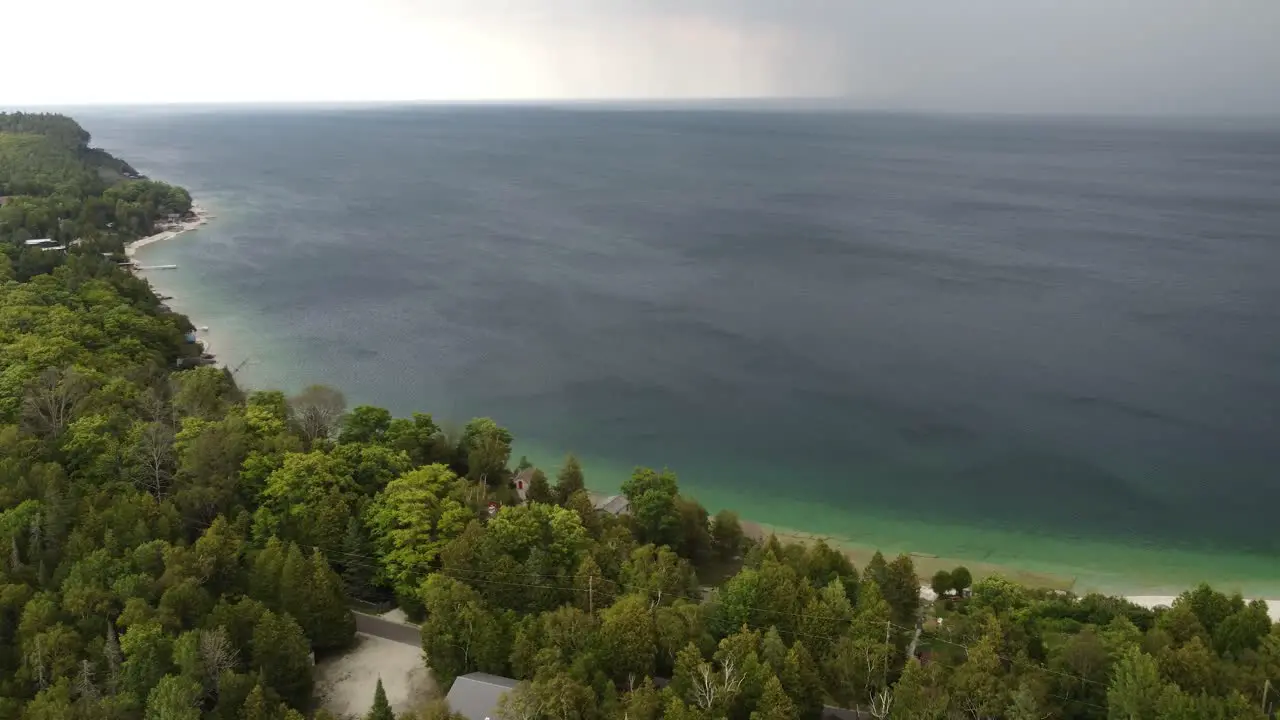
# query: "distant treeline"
52, 185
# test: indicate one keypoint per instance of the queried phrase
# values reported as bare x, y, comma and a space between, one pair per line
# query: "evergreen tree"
569, 480
774, 703
539, 489
357, 559
902, 590
296, 589
773, 651
916, 696
878, 570
281, 654
726, 535
264, 577
802, 681
256, 706
591, 590
381, 709
333, 624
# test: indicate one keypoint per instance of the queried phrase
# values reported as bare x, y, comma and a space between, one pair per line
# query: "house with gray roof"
614, 505
476, 695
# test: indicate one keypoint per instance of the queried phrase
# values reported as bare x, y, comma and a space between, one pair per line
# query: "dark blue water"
1068, 328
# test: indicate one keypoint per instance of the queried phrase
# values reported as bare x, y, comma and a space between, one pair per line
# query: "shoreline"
926, 565
1138, 568
1145, 594
199, 217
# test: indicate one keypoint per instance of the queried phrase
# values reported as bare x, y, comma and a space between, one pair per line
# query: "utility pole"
1266, 688
591, 598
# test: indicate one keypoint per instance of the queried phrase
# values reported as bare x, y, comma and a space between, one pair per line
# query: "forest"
53, 185
176, 547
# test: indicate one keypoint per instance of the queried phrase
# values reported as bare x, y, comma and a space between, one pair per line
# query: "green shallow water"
1135, 568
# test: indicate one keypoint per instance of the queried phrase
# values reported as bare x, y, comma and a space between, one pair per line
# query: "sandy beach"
199, 216
1154, 601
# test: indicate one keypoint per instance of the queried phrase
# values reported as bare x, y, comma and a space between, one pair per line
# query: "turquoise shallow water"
1040, 344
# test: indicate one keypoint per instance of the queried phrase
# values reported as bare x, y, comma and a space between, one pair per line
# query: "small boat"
204, 328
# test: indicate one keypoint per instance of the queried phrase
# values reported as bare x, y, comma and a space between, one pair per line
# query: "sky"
1055, 56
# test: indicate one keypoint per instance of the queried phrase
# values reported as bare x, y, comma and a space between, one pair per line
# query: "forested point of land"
54, 186
176, 548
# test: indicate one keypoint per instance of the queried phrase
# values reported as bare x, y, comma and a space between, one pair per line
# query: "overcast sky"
1101, 56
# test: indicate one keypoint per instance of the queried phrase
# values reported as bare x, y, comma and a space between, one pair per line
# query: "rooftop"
614, 504
476, 695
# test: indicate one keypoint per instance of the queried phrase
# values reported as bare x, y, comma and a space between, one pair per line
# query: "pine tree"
333, 624
569, 480
802, 680
357, 568
773, 651
774, 703
281, 654
589, 586
256, 706
878, 570
296, 591
902, 590
381, 709
916, 696
539, 488
264, 578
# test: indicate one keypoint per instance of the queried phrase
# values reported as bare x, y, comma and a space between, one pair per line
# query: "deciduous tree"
410, 522
317, 412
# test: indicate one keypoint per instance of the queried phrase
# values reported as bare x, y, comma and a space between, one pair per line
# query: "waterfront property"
521, 481
613, 504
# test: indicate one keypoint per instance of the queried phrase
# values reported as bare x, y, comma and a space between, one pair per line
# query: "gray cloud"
1105, 56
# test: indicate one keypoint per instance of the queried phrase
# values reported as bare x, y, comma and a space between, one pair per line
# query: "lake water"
1051, 344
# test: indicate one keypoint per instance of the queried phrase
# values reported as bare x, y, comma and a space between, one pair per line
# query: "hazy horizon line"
741, 104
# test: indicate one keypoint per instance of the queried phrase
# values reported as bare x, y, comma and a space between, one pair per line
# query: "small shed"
476, 695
